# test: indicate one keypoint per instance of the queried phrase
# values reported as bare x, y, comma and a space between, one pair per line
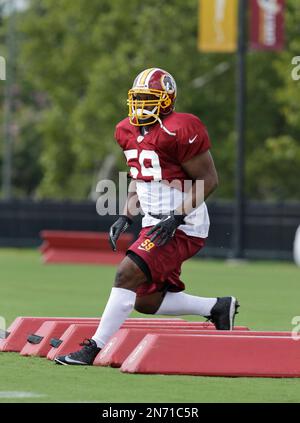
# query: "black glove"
120, 226
166, 228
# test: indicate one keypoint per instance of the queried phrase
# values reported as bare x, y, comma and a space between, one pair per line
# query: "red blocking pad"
38, 344
22, 327
82, 247
120, 346
76, 333
71, 339
80, 240
215, 355
196, 325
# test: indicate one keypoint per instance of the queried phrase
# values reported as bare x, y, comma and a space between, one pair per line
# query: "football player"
161, 146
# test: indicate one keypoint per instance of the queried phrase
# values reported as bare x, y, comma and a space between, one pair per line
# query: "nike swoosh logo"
71, 361
192, 140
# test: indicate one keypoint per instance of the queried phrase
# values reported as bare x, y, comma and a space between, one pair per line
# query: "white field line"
19, 394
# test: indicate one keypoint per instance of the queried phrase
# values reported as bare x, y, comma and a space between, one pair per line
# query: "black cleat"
83, 357
223, 312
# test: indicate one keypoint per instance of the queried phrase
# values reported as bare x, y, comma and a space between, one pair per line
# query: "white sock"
179, 303
119, 305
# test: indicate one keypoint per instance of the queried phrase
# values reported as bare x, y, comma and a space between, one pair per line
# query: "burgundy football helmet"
152, 95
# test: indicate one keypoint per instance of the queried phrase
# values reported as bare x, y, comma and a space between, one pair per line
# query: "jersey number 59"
154, 171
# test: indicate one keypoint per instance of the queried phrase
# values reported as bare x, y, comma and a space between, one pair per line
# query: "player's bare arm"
125, 220
132, 202
200, 167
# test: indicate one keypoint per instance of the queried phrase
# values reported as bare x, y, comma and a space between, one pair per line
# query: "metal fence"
269, 229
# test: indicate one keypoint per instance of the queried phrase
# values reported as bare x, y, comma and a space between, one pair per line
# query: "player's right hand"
120, 226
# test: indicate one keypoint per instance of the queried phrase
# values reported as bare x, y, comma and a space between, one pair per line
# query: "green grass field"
269, 298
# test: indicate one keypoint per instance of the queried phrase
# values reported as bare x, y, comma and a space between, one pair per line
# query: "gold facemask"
144, 112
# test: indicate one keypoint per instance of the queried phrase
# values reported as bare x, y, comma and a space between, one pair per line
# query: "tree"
273, 167
78, 59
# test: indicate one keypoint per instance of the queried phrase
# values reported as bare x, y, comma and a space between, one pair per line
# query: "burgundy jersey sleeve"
123, 134
118, 137
192, 139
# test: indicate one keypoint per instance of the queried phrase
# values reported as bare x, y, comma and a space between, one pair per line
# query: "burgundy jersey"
158, 155
156, 158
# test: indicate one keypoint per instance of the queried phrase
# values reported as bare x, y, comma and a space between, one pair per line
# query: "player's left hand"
166, 228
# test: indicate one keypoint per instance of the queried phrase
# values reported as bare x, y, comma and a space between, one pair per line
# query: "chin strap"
150, 113
147, 112
165, 129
